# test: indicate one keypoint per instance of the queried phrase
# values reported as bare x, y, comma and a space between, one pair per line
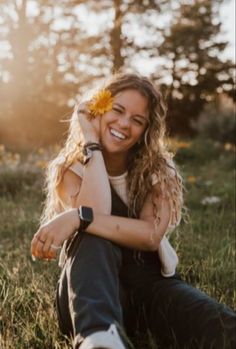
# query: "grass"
206, 246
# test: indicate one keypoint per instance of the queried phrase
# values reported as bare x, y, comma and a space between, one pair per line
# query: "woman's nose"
124, 121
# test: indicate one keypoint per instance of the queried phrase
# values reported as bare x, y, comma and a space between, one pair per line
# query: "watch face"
86, 213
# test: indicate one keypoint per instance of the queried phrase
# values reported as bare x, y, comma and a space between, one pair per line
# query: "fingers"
46, 246
83, 109
50, 250
35, 245
42, 246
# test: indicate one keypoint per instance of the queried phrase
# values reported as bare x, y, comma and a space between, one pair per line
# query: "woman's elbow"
155, 237
153, 245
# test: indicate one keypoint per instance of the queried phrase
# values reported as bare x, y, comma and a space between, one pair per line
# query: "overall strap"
119, 208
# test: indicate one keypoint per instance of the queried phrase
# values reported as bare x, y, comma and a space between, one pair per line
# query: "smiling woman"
122, 127
114, 195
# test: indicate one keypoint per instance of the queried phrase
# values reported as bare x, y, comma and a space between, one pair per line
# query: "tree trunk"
115, 37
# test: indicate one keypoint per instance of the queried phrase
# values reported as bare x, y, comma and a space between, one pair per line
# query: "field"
206, 245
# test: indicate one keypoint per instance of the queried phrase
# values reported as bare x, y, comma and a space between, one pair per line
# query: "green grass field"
206, 245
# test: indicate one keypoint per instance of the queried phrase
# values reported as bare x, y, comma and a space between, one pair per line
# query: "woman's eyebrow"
119, 105
123, 108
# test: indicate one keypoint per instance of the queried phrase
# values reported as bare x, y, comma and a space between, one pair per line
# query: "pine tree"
192, 49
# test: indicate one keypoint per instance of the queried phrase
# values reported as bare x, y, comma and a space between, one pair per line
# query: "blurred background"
52, 51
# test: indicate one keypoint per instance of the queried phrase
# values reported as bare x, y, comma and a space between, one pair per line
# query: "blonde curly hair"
149, 160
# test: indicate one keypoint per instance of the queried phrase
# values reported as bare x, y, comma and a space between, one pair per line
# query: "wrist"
90, 138
88, 150
75, 218
85, 214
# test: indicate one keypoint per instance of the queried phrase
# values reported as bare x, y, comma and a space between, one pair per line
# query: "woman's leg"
194, 319
88, 298
178, 315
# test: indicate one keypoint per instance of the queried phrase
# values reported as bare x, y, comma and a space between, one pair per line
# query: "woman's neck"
115, 164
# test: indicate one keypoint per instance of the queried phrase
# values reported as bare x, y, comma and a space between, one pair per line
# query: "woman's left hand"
49, 238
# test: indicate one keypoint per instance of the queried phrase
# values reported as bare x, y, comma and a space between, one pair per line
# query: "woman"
114, 194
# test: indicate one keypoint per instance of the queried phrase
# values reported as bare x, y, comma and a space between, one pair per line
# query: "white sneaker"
109, 339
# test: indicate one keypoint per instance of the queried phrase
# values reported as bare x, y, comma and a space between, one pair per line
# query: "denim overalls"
102, 283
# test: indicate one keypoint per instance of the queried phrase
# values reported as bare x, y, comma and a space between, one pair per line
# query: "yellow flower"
229, 147
191, 179
40, 151
176, 144
101, 103
183, 145
41, 164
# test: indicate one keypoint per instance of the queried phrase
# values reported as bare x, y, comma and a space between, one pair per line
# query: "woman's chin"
114, 149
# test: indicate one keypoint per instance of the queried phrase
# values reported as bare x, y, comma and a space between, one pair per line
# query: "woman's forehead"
133, 100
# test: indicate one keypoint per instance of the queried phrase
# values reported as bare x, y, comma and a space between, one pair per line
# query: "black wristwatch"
86, 217
88, 149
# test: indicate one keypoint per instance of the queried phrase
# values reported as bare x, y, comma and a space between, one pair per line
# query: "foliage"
206, 246
200, 151
192, 48
52, 54
217, 124
42, 68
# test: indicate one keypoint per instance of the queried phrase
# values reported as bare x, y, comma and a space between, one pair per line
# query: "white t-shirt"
167, 254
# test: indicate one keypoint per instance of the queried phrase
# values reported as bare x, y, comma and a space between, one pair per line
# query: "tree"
47, 61
54, 51
52, 56
192, 49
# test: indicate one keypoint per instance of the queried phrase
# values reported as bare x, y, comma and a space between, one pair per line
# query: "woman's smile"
117, 134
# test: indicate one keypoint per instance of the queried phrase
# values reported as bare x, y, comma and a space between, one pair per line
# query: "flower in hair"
101, 103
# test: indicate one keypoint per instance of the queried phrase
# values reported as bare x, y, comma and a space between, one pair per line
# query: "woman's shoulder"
70, 184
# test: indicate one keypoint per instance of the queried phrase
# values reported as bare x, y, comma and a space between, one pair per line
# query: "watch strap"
86, 217
92, 146
88, 148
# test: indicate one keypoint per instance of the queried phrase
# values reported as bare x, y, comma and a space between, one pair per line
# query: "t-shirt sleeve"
77, 168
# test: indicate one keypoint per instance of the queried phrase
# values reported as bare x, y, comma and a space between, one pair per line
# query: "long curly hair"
149, 159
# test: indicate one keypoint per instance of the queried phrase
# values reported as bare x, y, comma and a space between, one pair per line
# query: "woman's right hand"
50, 236
90, 126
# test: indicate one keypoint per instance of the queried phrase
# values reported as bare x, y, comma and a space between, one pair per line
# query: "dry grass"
206, 246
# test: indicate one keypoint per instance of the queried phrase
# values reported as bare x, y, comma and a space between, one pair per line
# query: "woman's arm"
93, 190
142, 234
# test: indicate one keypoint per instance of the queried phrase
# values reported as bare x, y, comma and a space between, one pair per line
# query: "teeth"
117, 134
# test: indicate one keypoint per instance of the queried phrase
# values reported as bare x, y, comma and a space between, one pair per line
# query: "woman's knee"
86, 245
95, 240
94, 256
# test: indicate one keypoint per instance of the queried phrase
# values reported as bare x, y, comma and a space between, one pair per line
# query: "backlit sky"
227, 13
228, 25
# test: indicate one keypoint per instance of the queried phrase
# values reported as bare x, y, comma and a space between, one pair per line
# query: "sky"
228, 25
227, 13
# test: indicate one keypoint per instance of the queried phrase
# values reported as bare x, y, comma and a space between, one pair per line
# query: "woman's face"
124, 125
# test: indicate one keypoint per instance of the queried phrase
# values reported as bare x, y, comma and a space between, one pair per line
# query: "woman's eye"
138, 122
117, 110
